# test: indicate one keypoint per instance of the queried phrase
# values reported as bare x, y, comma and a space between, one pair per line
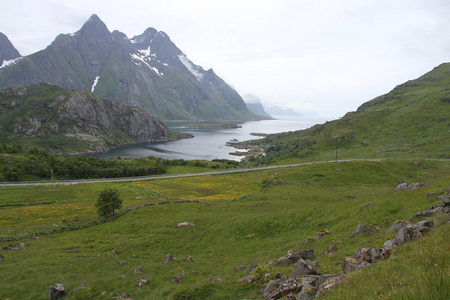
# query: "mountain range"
148, 71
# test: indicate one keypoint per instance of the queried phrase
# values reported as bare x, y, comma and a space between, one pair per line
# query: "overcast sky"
323, 56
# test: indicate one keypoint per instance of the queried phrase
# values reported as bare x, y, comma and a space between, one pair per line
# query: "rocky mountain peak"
94, 28
148, 71
7, 50
146, 37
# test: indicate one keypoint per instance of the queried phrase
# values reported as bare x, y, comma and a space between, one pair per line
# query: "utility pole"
337, 141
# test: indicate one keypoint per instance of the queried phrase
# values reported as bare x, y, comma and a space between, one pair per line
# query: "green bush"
107, 202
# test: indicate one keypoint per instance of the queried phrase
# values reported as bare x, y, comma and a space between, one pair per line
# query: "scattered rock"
279, 288
177, 278
302, 268
282, 261
188, 259
446, 200
321, 234
366, 206
350, 264
361, 229
330, 250
416, 185
412, 186
123, 296
16, 247
251, 268
56, 291
138, 270
406, 234
185, 224
239, 268
397, 226
248, 278
141, 282
215, 279
295, 255
329, 285
369, 255
307, 293
401, 186
168, 258
388, 246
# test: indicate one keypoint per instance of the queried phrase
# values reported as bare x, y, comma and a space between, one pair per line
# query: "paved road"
71, 182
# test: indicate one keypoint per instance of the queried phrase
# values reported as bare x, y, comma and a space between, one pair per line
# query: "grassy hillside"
410, 121
252, 217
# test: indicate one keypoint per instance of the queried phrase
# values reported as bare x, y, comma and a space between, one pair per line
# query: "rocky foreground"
306, 282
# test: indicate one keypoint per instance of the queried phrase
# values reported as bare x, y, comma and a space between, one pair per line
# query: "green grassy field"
252, 217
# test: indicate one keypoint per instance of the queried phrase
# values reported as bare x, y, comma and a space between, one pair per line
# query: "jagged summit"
8, 53
94, 28
148, 70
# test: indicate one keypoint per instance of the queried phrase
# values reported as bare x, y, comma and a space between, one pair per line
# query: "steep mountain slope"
410, 121
8, 54
147, 71
72, 121
254, 105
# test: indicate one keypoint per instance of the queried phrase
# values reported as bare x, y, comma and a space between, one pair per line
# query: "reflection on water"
211, 143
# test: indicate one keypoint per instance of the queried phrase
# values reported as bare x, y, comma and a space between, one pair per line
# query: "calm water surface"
209, 144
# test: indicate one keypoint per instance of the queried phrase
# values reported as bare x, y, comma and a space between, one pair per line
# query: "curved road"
152, 177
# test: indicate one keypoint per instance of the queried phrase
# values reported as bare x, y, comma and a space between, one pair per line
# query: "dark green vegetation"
413, 120
19, 163
23, 164
108, 202
281, 209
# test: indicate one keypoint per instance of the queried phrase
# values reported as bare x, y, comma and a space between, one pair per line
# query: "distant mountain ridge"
254, 104
63, 121
148, 71
278, 111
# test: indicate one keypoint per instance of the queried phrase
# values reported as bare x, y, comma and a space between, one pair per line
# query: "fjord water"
209, 143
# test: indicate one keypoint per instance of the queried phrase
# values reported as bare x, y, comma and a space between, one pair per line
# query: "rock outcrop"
56, 291
74, 119
307, 283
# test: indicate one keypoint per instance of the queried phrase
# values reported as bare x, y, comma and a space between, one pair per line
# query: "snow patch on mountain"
145, 52
137, 60
7, 63
195, 70
95, 83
